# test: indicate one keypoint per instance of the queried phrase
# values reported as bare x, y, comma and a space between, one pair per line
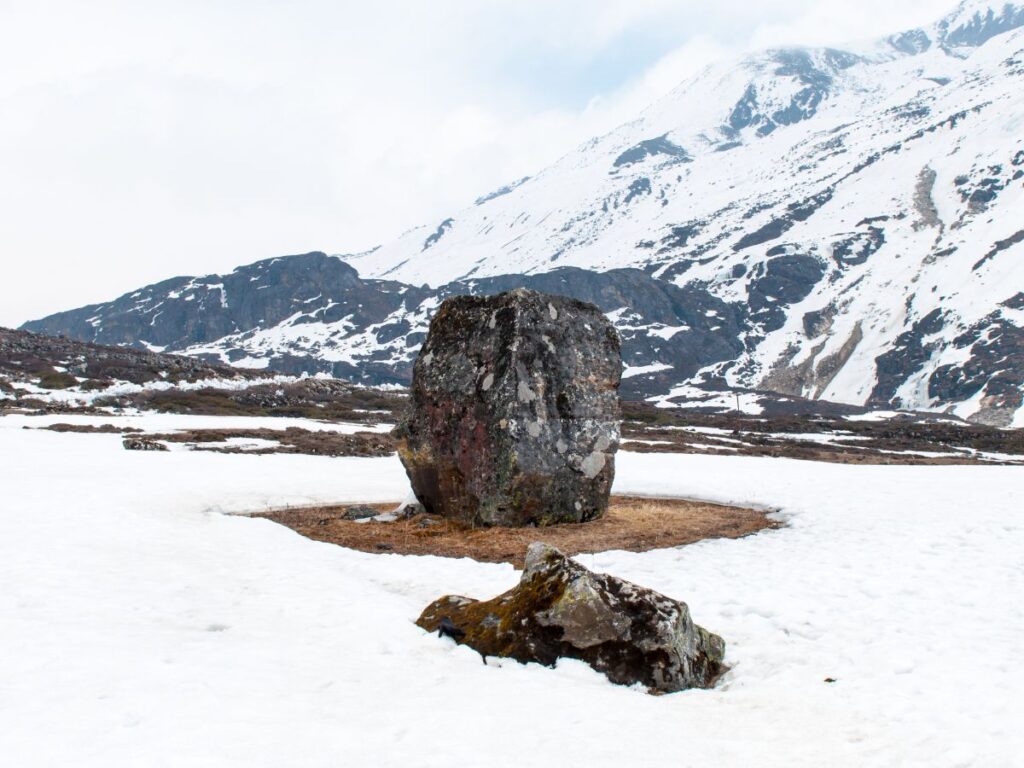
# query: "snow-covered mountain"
837, 224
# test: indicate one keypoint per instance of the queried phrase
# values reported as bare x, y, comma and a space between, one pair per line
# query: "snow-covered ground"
78, 397
169, 422
141, 626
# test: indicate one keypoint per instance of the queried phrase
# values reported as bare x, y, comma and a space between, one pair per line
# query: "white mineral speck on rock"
593, 464
494, 320
488, 382
552, 311
524, 392
561, 446
427, 358
533, 428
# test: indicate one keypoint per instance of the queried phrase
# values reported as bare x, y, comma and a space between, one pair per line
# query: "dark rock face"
562, 610
651, 148
812, 80
909, 353
993, 344
266, 295
981, 28
513, 416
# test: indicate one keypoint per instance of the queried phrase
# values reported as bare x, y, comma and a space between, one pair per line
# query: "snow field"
142, 626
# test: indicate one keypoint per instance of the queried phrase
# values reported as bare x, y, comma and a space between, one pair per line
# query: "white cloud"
145, 140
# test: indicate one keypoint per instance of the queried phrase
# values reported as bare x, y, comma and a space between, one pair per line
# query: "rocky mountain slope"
836, 224
58, 363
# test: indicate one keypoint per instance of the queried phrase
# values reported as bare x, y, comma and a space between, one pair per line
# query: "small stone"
562, 610
359, 512
142, 444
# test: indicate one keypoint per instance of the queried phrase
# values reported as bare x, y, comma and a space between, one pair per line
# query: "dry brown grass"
633, 524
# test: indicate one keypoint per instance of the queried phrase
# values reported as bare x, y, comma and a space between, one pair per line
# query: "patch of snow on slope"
636, 370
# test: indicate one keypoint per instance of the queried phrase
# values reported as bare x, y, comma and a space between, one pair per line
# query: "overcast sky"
142, 140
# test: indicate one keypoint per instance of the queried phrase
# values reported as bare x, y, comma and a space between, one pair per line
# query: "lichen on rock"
514, 416
562, 610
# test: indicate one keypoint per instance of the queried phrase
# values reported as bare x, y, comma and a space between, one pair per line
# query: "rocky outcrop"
562, 610
513, 416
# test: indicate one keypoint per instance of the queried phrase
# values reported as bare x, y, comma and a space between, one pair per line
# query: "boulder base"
514, 413
562, 610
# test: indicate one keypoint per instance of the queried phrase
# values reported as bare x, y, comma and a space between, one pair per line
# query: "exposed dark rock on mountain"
503, 190
513, 416
292, 313
981, 26
562, 610
443, 227
812, 79
910, 351
993, 345
652, 148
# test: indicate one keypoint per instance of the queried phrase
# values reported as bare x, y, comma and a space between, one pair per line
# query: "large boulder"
562, 610
514, 414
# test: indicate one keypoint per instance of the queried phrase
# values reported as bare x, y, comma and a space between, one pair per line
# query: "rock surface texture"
514, 417
562, 610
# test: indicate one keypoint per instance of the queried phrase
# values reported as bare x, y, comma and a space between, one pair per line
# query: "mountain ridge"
847, 215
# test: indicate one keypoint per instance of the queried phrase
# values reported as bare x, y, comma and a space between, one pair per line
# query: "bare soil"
291, 440
632, 524
88, 429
